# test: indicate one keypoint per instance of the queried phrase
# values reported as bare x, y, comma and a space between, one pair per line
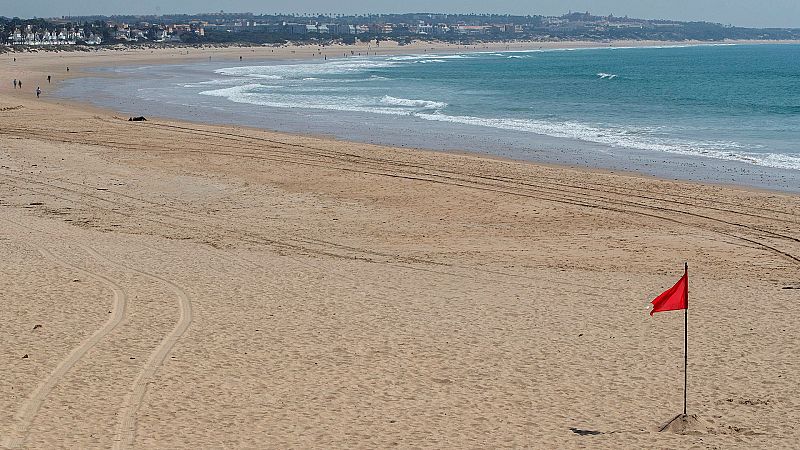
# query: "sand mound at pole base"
685, 424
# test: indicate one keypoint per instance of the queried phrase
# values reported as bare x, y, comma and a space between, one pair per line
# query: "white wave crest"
252, 94
457, 56
624, 138
425, 104
234, 91
428, 57
408, 57
607, 76
306, 70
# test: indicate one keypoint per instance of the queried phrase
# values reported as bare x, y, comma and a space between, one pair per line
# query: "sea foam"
607, 76
426, 104
627, 138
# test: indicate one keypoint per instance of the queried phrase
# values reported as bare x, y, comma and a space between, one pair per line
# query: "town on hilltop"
248, 28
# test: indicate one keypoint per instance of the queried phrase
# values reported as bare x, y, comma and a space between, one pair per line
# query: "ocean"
723, 113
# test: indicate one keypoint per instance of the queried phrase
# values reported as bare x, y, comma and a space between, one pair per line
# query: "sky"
750, 13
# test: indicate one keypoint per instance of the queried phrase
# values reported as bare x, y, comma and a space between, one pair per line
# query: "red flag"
676, 297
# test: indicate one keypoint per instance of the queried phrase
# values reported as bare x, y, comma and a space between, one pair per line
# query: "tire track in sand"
29, 410
125, 431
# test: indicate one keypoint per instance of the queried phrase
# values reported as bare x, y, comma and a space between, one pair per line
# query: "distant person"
67, 68
48, 79
15, 83
240, 58
38, 91
19, 83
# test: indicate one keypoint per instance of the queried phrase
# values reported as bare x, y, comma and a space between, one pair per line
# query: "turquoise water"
720, 113
738, 103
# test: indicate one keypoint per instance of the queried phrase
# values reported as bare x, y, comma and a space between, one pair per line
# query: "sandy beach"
173, 285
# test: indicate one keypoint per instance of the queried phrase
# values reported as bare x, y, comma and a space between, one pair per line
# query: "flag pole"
686, 337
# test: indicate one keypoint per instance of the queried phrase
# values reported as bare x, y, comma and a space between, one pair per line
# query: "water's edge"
122, 95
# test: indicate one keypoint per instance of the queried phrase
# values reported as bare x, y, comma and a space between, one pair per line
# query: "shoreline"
639, 162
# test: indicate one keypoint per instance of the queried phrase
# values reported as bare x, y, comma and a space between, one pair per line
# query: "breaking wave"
607, 76
425, 104
627, 138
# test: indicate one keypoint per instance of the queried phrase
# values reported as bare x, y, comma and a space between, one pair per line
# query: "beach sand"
175, 285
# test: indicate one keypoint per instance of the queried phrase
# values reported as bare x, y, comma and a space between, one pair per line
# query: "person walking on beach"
38, 92
48, 79
15, 83
19, 83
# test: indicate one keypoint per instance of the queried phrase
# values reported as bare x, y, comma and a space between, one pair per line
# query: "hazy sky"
756, 13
